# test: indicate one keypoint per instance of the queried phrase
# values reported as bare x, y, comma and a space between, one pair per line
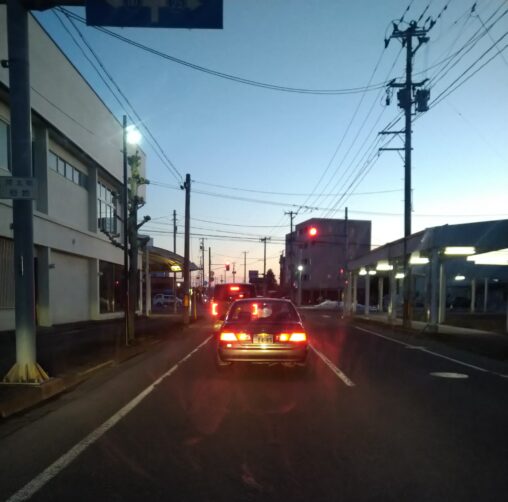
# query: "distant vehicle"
224, 295
262, 330
162, 300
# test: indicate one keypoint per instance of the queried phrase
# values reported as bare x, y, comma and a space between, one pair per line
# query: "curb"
33, 395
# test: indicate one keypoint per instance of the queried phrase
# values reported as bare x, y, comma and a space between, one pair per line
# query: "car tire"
220, 364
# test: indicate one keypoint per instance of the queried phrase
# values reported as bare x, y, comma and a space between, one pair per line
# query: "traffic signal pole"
263, 240
26, 369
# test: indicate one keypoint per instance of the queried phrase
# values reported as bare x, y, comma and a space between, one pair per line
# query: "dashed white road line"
337, 371
431, 352
60, 464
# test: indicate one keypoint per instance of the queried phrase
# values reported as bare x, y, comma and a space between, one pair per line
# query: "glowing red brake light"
228, 337
234, 288
214, 309
298, 337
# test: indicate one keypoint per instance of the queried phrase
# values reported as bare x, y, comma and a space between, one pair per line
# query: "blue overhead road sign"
155, 13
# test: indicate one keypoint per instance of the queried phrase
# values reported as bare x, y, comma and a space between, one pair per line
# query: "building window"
106, 209
52, 161
5, 146
67, 170
110, 287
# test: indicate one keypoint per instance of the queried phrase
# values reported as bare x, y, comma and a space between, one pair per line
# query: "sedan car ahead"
262, 330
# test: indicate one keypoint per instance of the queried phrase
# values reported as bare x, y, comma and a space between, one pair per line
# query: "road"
369, 421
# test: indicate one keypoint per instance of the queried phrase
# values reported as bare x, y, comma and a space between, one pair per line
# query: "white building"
77, 162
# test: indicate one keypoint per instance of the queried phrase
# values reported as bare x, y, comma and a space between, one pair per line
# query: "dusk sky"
321, 147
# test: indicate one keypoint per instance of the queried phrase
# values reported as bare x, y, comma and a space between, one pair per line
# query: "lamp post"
132, 136
300, 269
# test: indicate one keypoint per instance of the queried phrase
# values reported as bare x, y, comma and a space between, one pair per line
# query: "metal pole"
244, 266
26, 368
125, 218
485, 294
291, 264
209, 269
186, 261
174, 251
203, 263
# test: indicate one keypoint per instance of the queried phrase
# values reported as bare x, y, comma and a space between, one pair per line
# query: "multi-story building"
321, 247
77, 164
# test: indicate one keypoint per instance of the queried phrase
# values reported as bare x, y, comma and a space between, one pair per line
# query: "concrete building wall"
70, 121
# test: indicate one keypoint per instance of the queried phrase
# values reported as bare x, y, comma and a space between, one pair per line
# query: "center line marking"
338, 372
60, 464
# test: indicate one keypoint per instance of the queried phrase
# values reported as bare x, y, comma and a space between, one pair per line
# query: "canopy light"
416, 259
362, 271
459, 250
176, 268
383, 266
372, 272
300, 268
499, 257
399, 275
460, 277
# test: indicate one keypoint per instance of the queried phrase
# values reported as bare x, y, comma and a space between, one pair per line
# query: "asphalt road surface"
375, 418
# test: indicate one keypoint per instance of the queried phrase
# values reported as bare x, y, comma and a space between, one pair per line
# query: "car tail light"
284, 337
234, 288
214, 308
228, 337
243, 337
298, 337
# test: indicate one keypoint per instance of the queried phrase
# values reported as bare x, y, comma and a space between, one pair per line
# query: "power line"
158, 149
227, 76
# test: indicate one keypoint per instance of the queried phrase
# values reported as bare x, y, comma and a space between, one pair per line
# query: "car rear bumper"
267, 354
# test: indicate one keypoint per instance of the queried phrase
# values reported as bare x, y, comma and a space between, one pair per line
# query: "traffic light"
227, 267
313, 232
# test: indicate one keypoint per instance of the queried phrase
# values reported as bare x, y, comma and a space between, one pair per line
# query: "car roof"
264, 298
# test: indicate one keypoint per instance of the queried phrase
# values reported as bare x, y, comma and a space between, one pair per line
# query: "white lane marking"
60, 464
431, 352
334, 368
447, 374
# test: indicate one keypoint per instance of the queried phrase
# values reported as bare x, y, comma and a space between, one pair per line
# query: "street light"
132, 136
300, 269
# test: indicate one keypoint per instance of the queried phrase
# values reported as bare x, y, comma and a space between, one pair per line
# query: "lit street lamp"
300, 269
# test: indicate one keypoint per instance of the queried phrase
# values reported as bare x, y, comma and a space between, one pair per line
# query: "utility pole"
263, 240
291, 264
26, 369
209, 270
407, 96
186, 260
347, 299
175, 228
202, 263
244, 266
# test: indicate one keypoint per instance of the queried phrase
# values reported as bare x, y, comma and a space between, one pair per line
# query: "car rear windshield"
263, 311
231, 292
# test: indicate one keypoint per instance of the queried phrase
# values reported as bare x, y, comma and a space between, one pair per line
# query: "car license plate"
263, 338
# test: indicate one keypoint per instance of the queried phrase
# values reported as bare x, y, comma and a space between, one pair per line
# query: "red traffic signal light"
313, 232
227, 267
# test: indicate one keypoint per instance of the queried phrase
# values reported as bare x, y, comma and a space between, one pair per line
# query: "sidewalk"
483, 343
72, 353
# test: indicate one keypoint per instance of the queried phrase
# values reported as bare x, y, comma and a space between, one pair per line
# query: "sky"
323, 147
